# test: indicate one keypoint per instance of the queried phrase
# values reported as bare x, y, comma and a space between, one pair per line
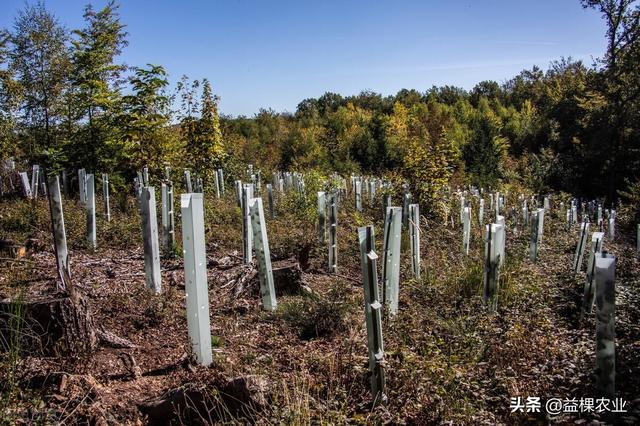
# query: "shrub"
316, 316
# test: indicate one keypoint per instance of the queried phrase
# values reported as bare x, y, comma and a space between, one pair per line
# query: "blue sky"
273, 54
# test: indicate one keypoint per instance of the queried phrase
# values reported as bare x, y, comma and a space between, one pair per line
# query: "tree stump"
51, 326
240, 397
11, 249
287, 277
188, 403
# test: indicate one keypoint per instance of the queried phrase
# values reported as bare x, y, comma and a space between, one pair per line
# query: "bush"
316, 316
632, 197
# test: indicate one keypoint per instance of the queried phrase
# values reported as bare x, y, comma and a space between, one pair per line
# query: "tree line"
66, 102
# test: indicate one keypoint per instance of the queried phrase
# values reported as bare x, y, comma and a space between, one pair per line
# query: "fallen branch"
130, 365
353, 280
113, 341
9, 259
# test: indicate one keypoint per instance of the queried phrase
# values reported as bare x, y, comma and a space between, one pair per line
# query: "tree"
447, 94
353, 145
487, 89
409, 98
209, 150
144, 115
9, 100
485, 153
40, 58
620, 86
187, 114
420, 141
95, 79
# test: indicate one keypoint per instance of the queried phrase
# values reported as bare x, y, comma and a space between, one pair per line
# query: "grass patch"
316, 316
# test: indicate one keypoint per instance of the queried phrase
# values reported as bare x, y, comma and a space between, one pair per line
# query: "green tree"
188, 116
303, 148
96, 93
620, 87
353, 147
9, 100
209, 149
40, 58
485, 153
421, 141
144, 116
485, 89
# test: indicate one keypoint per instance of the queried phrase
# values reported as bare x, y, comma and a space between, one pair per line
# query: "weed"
217, 341
315, 316
11, 334
20, 220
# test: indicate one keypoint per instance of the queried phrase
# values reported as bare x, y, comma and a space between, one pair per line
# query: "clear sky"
272, 54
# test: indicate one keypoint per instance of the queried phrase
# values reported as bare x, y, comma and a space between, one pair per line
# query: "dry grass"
448, 359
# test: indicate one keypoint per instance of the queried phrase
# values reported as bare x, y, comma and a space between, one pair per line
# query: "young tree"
95, 79
144, 117
209, 146
487, 149
189, 108
420, 142
40, 58
9, 100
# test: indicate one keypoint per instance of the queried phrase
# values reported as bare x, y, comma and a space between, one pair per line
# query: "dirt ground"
448, 359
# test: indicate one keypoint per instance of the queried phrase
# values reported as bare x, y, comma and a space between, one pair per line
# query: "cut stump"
51, 326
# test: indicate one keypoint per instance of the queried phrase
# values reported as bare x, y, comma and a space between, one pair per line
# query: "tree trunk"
51, 326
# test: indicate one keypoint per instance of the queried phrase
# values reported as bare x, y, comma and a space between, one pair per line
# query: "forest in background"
67, 102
